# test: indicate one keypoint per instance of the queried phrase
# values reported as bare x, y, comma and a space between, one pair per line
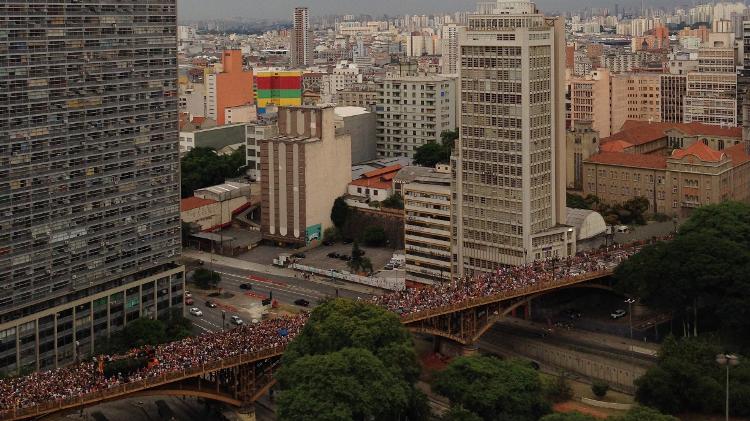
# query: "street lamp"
223, 319
727, 360
630, 302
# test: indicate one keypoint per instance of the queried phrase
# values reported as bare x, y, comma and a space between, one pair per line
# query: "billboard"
313, 232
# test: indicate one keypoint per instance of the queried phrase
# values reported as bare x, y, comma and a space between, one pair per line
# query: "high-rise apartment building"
227, 85
89, 175
413, 111
302, 38
509, 169
711, 92
450, 49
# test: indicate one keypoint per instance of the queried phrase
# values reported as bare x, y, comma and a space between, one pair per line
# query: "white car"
236, 320
195, 311
623, 229
617, 314
188, 294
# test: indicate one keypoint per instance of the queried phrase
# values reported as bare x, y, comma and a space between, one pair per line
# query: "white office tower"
508, 167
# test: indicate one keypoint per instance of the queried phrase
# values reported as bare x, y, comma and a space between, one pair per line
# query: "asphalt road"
286, 290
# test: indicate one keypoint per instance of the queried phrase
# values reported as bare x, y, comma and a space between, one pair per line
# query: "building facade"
509, 169
89, 175
711, 92
227, 85
413, 111
303, 170
582, 141
254, 134
278, 88
302, 38
427, 226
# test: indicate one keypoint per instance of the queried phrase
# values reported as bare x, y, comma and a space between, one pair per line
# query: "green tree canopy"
375, 340
339, 213
688, 379
459, 413
567, 416
729, 221
206, 278
351, 384
395, 201
430, 154
374, 236
203, 167
448, 139
494, 389
642, 413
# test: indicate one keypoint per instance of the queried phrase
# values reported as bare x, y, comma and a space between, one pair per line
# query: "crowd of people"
506, 279
86, 377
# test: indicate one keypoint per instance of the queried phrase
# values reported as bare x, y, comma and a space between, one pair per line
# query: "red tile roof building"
676, 166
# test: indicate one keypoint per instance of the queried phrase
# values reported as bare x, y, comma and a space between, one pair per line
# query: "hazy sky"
198, 9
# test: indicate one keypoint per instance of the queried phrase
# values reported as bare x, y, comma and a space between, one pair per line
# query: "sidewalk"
274, 271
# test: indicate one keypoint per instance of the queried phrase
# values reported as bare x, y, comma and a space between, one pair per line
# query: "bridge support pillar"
247, 412
527, 310
436, 344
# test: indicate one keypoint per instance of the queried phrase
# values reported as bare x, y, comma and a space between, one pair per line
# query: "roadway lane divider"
263, 280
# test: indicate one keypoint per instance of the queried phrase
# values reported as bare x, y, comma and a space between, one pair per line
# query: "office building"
303, 170
450, 49
254, 134
509, 167
302, 38
413, 111
673, 89
227, 85
89, 175
711, 91
427, 223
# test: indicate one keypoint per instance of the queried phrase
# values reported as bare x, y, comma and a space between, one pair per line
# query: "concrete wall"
361, 128
221, 136
619, 374
327, 174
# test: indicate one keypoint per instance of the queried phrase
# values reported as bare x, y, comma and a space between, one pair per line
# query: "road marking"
309, 293
260, 279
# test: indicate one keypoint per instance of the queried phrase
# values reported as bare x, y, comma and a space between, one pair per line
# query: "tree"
339, 213
642, 413
350, 384
459, 413
144, 331
448, 140
357, 251
688, 379
394, 201
374, 236
492, 388
203, 167
338, 366
599, 388
430, 154
559, 390
728, 220
693, 273
330, 234
366, 265
568, 416
206, 278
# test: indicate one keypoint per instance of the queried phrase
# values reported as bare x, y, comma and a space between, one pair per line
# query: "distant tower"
746, 120
301, 45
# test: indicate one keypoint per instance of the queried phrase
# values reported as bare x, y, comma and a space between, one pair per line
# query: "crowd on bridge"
86, 377
79, 379
507, 279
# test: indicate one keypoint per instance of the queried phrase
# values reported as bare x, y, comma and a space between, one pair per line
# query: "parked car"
210, 304
188, 301
333, 255
347, 241
299, 255
302, 302
195, 311
188, 294
327, 242
617, 314
388, 267
200, 262
622, 228
345, 257
235, 320
246, 286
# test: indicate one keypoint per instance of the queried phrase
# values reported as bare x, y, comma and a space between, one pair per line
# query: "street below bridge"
246, 303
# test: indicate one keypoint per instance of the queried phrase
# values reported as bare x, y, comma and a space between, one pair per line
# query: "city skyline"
282, 9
